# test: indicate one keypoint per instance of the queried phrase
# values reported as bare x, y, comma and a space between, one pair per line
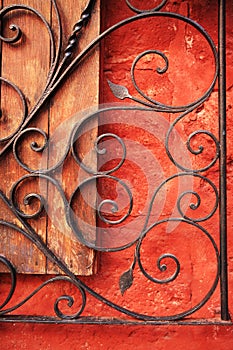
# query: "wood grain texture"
79, 93
26, 64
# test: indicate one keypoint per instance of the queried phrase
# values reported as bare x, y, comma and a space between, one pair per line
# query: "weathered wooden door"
38, 45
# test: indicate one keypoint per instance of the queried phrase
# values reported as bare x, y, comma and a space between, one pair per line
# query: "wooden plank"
80, 92
25, 64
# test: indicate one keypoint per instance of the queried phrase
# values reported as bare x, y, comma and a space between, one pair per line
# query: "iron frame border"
59, 77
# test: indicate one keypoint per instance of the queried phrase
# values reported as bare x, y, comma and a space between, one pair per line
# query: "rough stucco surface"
192, 66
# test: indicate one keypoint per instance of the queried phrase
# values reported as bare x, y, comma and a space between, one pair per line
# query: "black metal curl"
34, 196
196, 205
113, 203
12, 272
24, 108
122, 92
54, 58
159, 70
73, 221
184, 218
163, 267
34, 238
201, 148
144, 15
104, 150
16, 37
14, 27
57, 310
70, 302
189, 147
157, 8
115, 207
34, 146
74, 138
28, 199
192, 205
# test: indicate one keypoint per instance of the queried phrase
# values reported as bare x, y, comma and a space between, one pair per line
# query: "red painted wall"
190, 65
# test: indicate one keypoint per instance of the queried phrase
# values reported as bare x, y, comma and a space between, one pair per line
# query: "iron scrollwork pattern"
61, 66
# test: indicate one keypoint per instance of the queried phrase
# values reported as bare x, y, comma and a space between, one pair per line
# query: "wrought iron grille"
62, 65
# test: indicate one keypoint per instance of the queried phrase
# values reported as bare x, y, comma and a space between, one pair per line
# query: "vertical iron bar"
222, 139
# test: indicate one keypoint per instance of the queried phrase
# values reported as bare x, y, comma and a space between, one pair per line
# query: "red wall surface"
189, 76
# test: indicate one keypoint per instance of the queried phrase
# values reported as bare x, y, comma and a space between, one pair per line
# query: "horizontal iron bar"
113, 321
